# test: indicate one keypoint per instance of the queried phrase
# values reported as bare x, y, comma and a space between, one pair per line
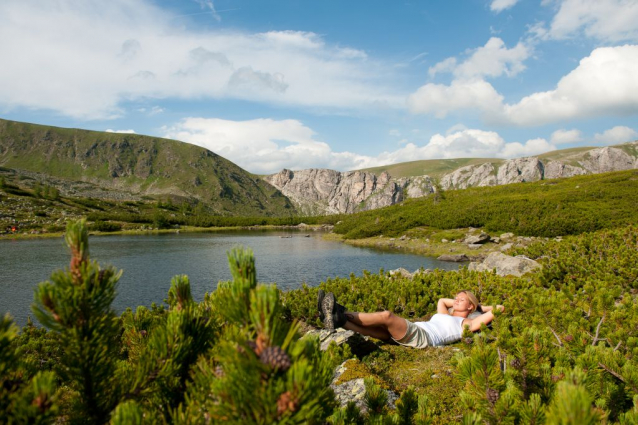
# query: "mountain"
129, 166
317, 191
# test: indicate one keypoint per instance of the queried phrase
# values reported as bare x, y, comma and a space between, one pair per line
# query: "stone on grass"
456, 258
355, 390
474, 245
359, 345
480, 239
505, 265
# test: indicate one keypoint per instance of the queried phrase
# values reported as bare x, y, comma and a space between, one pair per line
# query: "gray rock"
470, 176
359, 345
474, 245
355, 390
457, 258
506, 247
507, 235
401, 272
520, 170
505, 265
480, 239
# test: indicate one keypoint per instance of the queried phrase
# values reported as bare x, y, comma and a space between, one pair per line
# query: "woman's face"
462, 302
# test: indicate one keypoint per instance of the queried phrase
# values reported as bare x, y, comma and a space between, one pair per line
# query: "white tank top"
443, 329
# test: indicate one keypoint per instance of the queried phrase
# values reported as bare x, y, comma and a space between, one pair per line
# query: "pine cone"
492, 395
276, 358
286, 403
515, 363
468, 340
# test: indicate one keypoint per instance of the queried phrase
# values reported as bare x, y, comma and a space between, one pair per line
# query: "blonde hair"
472, 299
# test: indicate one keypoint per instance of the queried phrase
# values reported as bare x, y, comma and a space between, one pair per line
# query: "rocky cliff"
318, 191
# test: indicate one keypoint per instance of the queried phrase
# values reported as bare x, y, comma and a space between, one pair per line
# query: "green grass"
435, 168
545, 208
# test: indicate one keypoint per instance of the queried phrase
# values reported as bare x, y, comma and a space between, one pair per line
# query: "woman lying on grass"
445, 327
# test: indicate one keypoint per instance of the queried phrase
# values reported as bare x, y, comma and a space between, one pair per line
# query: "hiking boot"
333, 313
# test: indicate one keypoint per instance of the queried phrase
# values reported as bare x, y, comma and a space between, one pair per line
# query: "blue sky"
329, 84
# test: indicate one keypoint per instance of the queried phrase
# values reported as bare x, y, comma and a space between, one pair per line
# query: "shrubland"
564, 351
544, 208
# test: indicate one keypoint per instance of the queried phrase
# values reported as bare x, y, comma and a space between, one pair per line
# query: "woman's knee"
387, 315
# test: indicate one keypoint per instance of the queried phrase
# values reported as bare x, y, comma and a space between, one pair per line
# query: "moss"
355, 370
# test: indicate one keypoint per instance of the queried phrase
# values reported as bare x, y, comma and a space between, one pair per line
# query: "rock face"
470, 176
317, 191
505, 265
329, 191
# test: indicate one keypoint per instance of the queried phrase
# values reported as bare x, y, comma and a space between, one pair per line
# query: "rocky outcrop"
470, 176
520, 170
505, 265
329, 191
317, 191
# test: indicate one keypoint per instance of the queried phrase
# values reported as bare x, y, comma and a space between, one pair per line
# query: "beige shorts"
415, 337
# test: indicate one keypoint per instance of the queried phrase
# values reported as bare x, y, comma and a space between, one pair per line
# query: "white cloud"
604, 83
492, 60
441, 99
563, 137
120, 131
616, 135
607, 20
105, 53
500, 5
266, 146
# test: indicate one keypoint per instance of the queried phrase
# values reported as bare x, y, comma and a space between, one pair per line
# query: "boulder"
474, 245
401, 272
359, 345
355, 390
456, 258
519, 170
506, 247
507, 235
480, 239
505, 265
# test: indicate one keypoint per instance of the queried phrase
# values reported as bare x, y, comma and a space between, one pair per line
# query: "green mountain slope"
431, 167
140, 165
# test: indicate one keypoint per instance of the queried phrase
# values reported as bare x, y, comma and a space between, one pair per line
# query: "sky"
329, 83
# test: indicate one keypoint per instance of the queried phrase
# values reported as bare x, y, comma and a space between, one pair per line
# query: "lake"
150, 261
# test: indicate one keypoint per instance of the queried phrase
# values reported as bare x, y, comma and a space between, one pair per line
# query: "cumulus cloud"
266, 146
105, 53
604, 83
616, 135
441, 99
492, 60
607, 20
109, 130
563, 137
500, 5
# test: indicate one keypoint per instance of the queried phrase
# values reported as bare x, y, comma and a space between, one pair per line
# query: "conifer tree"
76, 304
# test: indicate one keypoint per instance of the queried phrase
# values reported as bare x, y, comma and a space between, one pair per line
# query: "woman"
445, 327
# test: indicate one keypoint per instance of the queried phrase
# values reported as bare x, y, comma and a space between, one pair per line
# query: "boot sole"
327, 307
320, 296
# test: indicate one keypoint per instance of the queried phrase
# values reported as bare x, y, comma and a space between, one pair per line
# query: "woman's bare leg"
395, 326
373, 331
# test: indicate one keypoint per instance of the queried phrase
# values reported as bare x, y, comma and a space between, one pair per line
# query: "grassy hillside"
431, 167
544, 208
140, 165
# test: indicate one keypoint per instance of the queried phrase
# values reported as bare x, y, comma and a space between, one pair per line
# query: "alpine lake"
288, 258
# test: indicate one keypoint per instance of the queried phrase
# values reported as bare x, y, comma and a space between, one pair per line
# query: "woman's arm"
443, 305
485, 318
